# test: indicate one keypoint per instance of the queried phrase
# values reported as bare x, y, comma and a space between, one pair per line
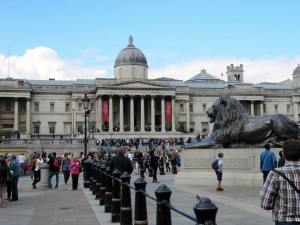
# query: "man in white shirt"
21, 161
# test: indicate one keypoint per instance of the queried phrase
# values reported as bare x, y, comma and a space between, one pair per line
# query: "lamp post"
38, 128
85, 102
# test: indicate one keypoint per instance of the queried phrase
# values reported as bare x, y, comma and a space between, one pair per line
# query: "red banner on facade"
168, 113
104, 111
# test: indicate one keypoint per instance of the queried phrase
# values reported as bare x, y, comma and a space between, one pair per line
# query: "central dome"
131, 56
297, 70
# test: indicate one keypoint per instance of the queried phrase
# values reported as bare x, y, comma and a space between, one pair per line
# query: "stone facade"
131, 103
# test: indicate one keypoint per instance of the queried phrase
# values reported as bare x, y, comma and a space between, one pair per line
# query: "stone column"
252, 108
152, 114
296, 112
110, 113
121, 114
43, 184
261, 108
187, 106
73, 116
142, 113
16, 116
28, 118
173, 113
163, 114
131, 113
99, 113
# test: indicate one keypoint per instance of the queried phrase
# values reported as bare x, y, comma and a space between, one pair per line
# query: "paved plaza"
62, 206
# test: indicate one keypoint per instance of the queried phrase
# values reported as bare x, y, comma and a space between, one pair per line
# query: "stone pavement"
62, 206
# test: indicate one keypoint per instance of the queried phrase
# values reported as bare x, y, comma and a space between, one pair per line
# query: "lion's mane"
230, 117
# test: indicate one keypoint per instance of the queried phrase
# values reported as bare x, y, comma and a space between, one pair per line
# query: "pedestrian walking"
268, 161
65, 166
75, 170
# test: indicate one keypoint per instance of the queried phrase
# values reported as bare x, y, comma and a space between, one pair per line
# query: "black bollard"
93, 164
87, 173
205, 212
94, 177
97, 187
102, 184
126, 210
140, 212
142, 171
108, 191
161, 166
116, 197
163, 213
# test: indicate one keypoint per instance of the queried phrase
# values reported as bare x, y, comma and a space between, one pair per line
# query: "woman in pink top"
74, 167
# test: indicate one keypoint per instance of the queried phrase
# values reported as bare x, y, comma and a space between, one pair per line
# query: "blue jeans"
22, 166
287, 223
51, 174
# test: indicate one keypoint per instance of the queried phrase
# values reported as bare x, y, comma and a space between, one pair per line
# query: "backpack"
32, 166
56, 162
214, 164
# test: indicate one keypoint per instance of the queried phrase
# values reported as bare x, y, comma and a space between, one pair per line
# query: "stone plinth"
43, 184
241, 167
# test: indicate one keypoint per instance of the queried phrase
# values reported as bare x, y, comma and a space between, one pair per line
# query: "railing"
113, 192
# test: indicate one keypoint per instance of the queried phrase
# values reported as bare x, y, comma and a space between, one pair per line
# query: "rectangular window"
288, 109
265, 108
68, 108
52, 127
51, 107
204, 126
93, 107
23, 107
36, 128
191, 108
22, 128
7, 107
276, 108
80, 128
181, 108
80, 108
36, 107
67, 128
203, 108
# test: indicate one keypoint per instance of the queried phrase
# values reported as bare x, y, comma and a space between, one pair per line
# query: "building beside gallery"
131, 104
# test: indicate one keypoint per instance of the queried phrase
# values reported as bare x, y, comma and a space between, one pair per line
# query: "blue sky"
81, 39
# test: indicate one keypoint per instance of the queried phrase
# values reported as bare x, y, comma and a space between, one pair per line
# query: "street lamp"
38, 123
85, 102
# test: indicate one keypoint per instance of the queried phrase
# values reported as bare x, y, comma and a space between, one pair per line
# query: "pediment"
136, 85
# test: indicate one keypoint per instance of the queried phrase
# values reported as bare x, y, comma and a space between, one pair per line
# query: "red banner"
104, 111
168, 113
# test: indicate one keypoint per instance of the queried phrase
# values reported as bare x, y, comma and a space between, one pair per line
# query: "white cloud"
42, 63
255, 71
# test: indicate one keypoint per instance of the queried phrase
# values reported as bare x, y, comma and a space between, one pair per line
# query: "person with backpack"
65, 167
54, 163
217, 166
281, 190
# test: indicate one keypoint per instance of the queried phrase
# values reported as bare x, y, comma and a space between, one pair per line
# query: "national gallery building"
130, 104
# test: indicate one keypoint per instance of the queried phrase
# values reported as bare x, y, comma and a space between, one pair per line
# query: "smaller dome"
297, 70
131, 56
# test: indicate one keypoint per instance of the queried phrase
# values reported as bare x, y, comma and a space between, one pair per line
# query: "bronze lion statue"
234, 127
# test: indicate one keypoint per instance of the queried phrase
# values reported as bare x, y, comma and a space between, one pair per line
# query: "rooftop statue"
234, 127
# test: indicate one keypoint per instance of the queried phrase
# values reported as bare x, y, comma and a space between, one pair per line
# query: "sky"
80, 39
